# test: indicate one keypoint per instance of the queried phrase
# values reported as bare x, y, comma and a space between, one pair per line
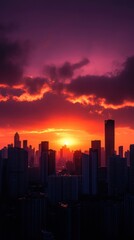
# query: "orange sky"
76, 135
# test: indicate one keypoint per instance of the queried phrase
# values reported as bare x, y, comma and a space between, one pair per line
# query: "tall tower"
25, 146
44, 147
17, 142
109, 139
120, 151
96, 145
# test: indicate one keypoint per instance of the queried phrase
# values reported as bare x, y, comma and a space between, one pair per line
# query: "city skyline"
106, 146
65, 67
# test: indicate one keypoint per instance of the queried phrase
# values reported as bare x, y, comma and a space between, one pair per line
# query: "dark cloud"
29, 114
10, 92
66, 71
123, 116
115, 88
53, 106
13, 56
34, 85
80, 64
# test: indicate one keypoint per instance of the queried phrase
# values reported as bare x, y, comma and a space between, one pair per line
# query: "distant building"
77, 160
127, 156
86, 184
51, 162
17, 142
44, 147
117, 175
93, 164
25, 144
96, 145
90, 172
17, 172
31, 156
109, 139
121, 151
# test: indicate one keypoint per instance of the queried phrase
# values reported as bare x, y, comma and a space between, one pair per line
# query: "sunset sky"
65, 67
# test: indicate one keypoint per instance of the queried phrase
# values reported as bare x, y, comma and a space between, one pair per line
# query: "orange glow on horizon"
76, 134
69, 141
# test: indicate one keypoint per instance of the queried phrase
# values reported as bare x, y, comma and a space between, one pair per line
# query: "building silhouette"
77, 160
44, 147
120, 151
109, 139
96, 145
38, 202
17, 172
51, 162
25, 144
117, 175
17, 142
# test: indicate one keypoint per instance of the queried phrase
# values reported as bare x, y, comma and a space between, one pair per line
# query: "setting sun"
69, 141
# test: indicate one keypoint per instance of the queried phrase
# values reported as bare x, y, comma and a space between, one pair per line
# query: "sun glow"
68, 141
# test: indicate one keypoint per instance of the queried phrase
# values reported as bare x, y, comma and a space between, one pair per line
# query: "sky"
65, 67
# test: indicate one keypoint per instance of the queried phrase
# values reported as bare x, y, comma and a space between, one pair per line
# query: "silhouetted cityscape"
70, 195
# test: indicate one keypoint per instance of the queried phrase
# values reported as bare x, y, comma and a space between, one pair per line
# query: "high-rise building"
25, 146
65, 155
117, 175
77, 160
93, 174
90, 172
51, 162
109, 139
85, 173
121, 151
17, 142
96, 145
17, 172
44, 147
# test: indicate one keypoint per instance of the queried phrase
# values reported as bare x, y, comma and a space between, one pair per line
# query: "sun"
68, 141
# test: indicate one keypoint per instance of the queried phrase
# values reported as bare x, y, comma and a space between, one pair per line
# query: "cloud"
10, 92
123, 116
27, 114
114, 89
65, 71
13, 57
34, 85
85, 97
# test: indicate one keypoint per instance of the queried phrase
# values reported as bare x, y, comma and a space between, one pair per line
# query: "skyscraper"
120, 151
44, 147
17, 142
109, 139
25, 146
17, 172
96, 145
